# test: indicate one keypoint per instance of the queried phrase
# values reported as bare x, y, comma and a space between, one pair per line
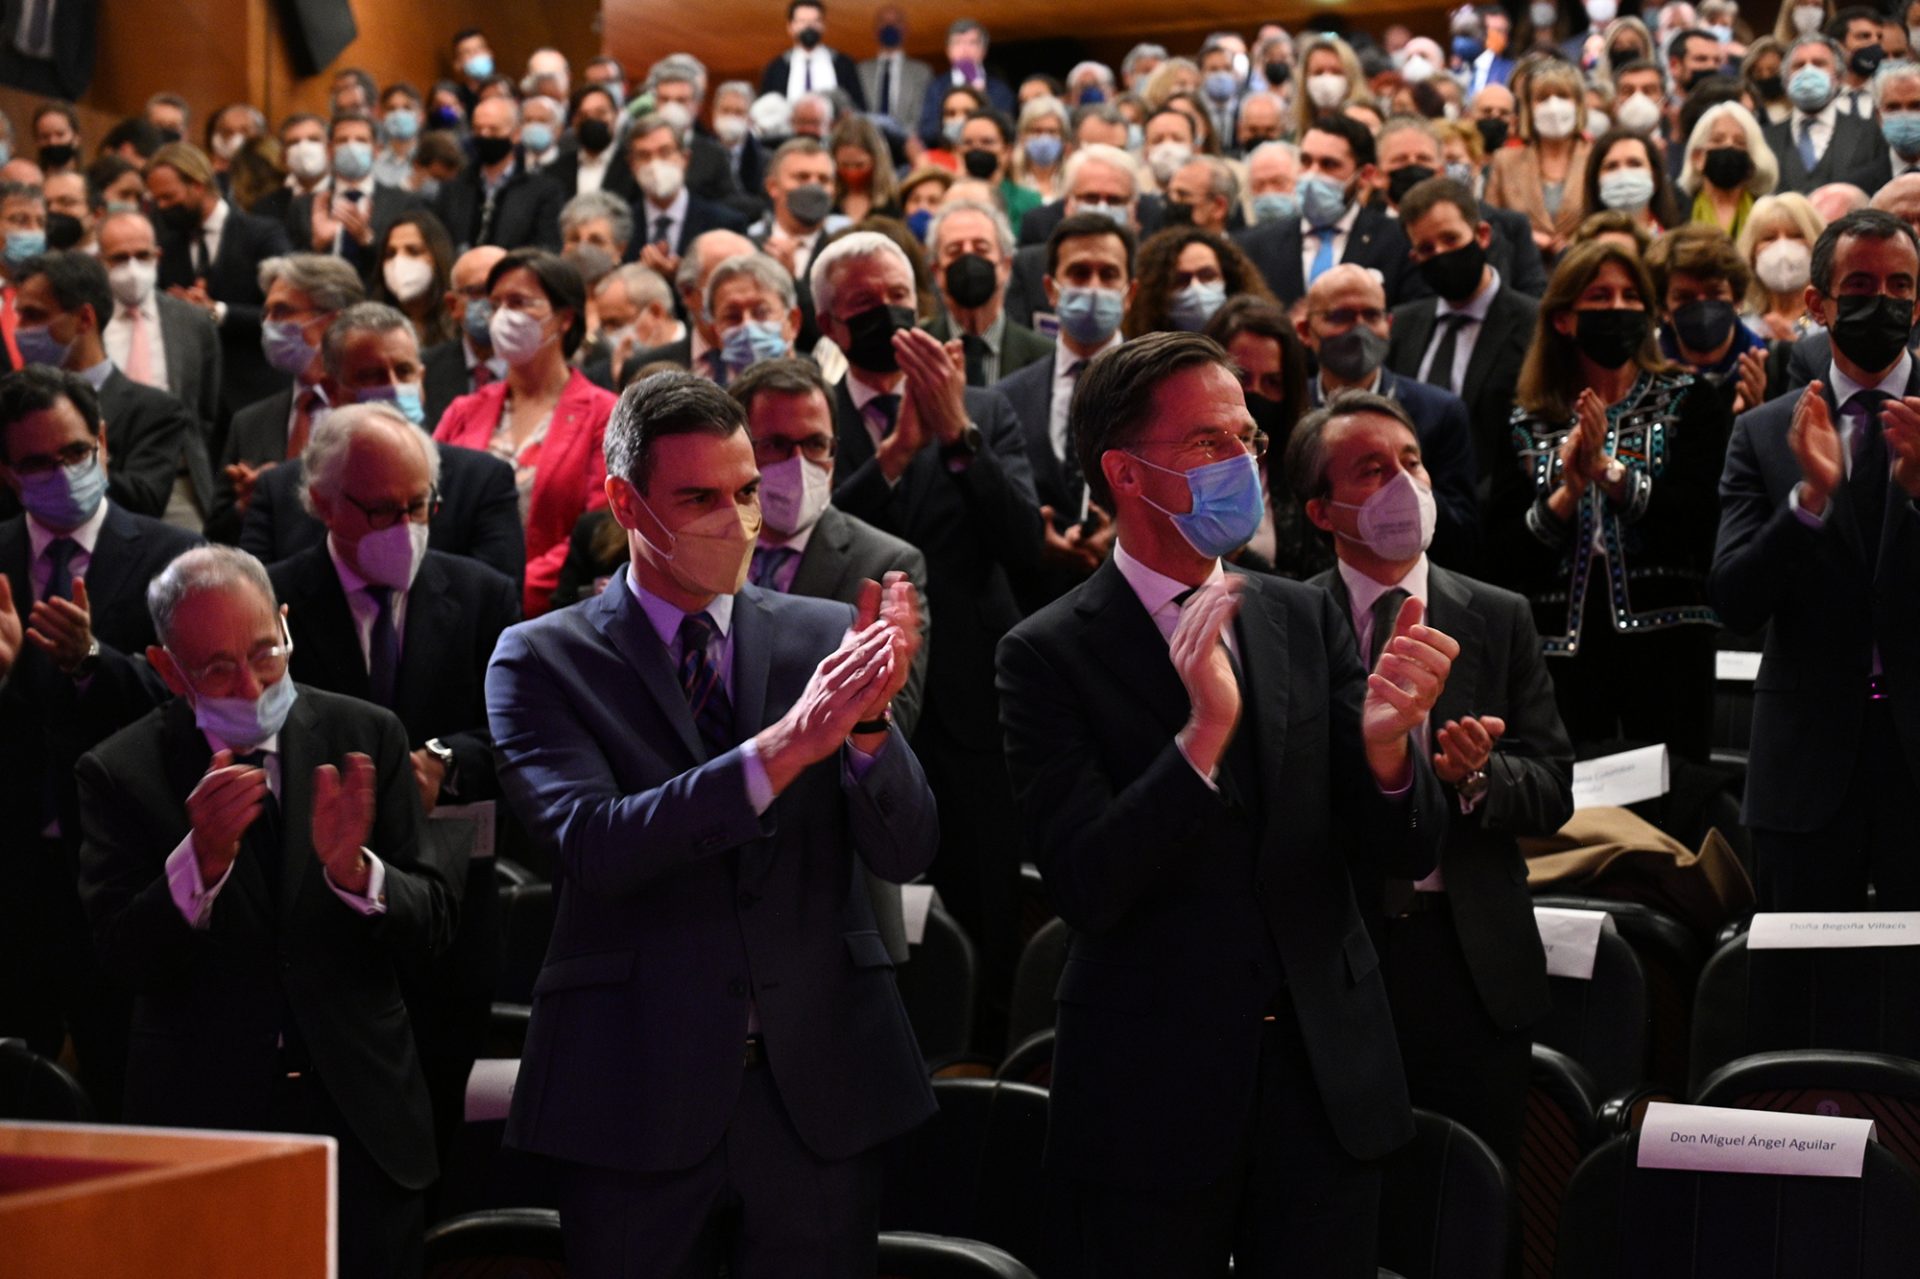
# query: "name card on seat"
1721, 1139
490, 1088
915, 901
1614, 781
1571, 938
1736, 665
480, 817
1820, 930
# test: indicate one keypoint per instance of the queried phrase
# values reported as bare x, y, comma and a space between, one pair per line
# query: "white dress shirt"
821, 61
592, 172
40, 537
1310, 241
1475, 308
1063, 384
364, 608
119, 340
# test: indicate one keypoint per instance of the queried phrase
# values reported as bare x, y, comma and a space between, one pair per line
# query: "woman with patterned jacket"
1605, 513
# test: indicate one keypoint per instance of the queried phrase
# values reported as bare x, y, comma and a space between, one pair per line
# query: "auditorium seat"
908, 1255
1602, 1023
1561, 1127
1623, 1222
38, 1090
1035, 981
1824, 1082
1671, 956
1443, 1205
480, 1173
508, 873
526, 914
973, 1170
499, 1243
937, 986
1858, 999
1030, 1061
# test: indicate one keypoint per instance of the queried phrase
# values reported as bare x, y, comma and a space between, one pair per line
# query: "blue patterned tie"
1807, 157
700, 680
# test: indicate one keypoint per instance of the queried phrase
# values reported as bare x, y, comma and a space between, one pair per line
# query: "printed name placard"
1736, 665
915, 901
1614, 781
479, 816
1720, 1139
1571, 938
1818, 930
490, 1088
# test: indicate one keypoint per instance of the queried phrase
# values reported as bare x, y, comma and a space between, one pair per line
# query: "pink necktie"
140, 349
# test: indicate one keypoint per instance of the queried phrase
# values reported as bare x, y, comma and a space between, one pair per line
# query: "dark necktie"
885, 105
349, 247
888, 407
976, 351
60, 553
200, 254
700, 679
262, 839
662, 229
1440, 371
767, 563
1867, 485
383, 648
1074, 484
716, 367
1386, 611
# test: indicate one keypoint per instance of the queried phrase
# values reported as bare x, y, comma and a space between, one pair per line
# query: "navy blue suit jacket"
678, 904
998, 95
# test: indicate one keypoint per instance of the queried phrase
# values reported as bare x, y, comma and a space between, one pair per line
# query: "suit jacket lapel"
1264, 668
1123, 638
855, 444
752, 650
618, 616
112, 559
1486, 348
326, 623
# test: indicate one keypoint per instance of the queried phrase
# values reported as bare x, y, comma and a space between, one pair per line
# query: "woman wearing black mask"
1699, 279
1728, 167
1605, 512
986, 145
1760, 73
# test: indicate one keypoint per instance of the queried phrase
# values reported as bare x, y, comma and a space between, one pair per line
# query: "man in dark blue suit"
1820, 544
1346, 326
717, 1048
668, 214
967, 64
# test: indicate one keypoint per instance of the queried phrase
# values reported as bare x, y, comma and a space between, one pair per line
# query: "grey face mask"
1355, 354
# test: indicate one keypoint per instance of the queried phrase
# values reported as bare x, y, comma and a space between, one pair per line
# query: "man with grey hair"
1141, 61
1087, 76
754, 307
304, 292
634, 307
813, 116
1820, 143
971, 256
943, 466
600, 220
670, 213
678, 83
1896, 101
1203, 192
499, 199
1097, 179
255, 867
699, 348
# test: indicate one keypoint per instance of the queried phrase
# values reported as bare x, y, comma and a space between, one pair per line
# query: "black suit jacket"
998, 95
1492, 369
1856, 153
618, 179
211, 1004
1030, 391
980, 531
388, 204
1513, 253
1501, 671
846, 75
525, 213
702, 216
147, 434
445, 377
1019, 345
1827, 604
1192, 908
1810, 359
257, 435
478, 519
246, 241
1376, 241
194, 376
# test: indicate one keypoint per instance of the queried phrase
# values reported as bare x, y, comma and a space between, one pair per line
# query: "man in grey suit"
169, 345
1819, 143
894, 84
806, 547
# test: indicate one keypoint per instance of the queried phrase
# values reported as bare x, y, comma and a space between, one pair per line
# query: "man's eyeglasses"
1216, 446
268, 663
772, 449
75, 454
386, 514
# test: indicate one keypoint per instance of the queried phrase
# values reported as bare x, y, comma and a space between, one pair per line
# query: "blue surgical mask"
1088, 315
1043, 150
1460, 171
1194, 305
479, 66
67, 496
1322, 200
1227, 504
402, 124
1276, 206
1902, 130
22, 245
918, 222
1220, 86
950, 130
6, 152
353, 160
1136, 138
750, 343
245, 722
405, 397
536, 137
478, 321
39, 346
1811, 89
286, 347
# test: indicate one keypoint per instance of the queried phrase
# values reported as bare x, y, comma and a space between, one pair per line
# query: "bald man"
462, 365
1835, 199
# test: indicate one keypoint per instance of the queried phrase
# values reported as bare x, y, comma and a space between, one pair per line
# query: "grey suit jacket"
1019, 345
908, 93
1856, 153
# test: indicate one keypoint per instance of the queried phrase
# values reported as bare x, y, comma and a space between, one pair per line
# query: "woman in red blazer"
544, 418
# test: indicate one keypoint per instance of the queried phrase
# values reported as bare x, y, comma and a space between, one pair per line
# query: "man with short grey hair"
1203, 192
752, 305
600, 219
1819, 142
634, 305
1896, 100
971, 256
699, 348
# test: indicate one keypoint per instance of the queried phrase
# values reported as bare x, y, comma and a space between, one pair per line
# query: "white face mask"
1784, 266
307, 159
1599, 13
1328, 89
661, 180
1638, 113
517, 336
132, 282
1807, 18
392, 556
730, 128
1166, 158
793, 493
407, 278
1396, 522
1554, 119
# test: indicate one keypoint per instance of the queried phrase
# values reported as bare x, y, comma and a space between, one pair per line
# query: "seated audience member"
543, 417
415, 269
348, 214
1814, 547
1460, 949
751, 303
371, 357
74, 567
498, 199
304, 292
1346, 325
863, 179
970, 251
1727, 167
799, 190
635, 308
1698, 279
383, 617
466, 363
1777, 245
1184, 275
698, 350
272, 1003
670, 215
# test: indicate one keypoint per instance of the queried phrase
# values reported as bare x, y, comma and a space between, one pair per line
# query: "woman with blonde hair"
1325, 60
1777, 243
1544, 178
1605, 513
863, 181
1175, 75
1728, 166
1801, 18
1760, 73
1625, 40
1044, 139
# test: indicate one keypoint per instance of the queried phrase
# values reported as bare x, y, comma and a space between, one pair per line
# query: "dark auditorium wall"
219, 51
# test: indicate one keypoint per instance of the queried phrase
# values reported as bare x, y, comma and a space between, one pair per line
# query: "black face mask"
1866, 60
64, 231
980, 164
1277, 73
56, 157
1772, 87
971, 281
1694, 81
1728, 167
809, 38
1271, 417
1610, 338
1704, 325
1493, 133
1174, 213
491, 151
595, 135
1455, 274
870, 337
1405, 179
184, 219
1871, 328
170, 135
1621, 54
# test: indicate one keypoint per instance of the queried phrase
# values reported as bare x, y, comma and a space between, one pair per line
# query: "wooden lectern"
99, 1202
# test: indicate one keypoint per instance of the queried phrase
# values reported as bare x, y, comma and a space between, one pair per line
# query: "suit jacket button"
738, 989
